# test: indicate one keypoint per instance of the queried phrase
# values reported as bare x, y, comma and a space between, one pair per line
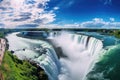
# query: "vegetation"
116, 33
1, 34
14, 69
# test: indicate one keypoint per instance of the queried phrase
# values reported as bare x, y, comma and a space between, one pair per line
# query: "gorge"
81, 51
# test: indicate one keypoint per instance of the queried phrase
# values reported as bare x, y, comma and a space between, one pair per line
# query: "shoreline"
20, 69
40, 74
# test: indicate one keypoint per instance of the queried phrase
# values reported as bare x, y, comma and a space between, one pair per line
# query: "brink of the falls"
81, 52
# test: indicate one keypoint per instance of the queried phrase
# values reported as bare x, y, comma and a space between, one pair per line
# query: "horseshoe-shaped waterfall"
81, 52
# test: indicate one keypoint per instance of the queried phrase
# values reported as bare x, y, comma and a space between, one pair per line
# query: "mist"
80, 55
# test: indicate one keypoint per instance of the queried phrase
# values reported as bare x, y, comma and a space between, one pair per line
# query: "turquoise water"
105, 67
108, 67
32, 51
106, 39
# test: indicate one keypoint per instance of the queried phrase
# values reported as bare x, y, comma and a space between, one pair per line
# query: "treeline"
114, 32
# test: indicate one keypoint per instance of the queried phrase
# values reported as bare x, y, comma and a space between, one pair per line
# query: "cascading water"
81, 52
48, 61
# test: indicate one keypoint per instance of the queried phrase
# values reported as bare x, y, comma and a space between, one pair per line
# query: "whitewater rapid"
81, 51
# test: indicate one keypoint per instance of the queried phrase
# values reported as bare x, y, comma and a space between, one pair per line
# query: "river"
83, 52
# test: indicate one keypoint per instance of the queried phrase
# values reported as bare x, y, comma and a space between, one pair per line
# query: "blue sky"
82, 10
60, 13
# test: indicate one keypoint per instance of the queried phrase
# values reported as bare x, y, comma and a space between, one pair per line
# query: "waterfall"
50, 63
81, 52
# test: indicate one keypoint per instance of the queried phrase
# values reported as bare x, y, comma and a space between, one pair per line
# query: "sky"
60, 13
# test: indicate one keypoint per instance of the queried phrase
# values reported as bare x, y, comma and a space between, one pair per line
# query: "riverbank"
14, 69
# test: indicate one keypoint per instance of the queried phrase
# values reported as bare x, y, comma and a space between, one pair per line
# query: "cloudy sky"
60, 13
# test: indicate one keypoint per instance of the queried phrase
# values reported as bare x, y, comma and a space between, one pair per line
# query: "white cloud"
56, 8
16, 10
97, 20
71, 25
112, 19
100, 23
47, 17
94, 23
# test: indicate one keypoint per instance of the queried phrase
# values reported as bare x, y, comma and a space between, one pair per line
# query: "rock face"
2, 49
1, 76
41, 73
